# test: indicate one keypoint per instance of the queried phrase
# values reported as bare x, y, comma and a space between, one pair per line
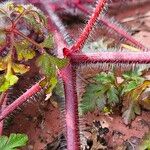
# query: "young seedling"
106, 92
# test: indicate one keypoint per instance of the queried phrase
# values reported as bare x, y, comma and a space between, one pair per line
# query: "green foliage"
48, 66
20, 68
133, 98
24, 52
13, 142
7, 81
48, 42
131, 80
101, 93
31, 36
106, 92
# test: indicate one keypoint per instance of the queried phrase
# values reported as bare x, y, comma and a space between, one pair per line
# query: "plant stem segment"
111, 57
88, 28
115, 28
69, 78
3, 100
29, 93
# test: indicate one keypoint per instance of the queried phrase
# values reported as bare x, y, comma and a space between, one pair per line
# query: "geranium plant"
25, 30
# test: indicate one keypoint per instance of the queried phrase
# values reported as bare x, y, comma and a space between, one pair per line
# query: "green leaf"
105, 78
9, 81
59, 62
12, 79
46, 66
24, 52
101, 102
48, 42
35, 18
133, 98
59, 89
130, 86
31, 20
20, 68
103, 93
130, 114
92, 98
52, 84
133, 74
14, 141
113, 95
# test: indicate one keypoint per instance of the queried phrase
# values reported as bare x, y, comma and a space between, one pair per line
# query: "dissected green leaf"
59, 89
48, 42
35, 18
132, 74
20, 68
103, 92
105, 78
92, 98
132, 79
24, 52
113, 95
14, 141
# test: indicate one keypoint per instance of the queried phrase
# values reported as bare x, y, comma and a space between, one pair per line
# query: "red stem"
68, 75
2, 108
122, 33
19, 101
114, 27
111, 57
56, 23
89, 26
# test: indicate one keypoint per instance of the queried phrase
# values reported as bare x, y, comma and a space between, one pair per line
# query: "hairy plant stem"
19, 101
57, 24
114, 27
111, 57
3, 99
69, 78
89, 26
